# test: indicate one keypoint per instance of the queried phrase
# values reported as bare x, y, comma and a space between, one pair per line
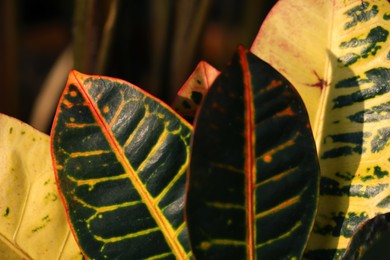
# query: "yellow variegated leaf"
294, 40
194, 89
32, 219
337, 54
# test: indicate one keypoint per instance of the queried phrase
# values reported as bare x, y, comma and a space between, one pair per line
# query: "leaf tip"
75, 77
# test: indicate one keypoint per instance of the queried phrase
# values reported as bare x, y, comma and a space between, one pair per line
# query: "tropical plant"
32, 219
338, 59
241, 181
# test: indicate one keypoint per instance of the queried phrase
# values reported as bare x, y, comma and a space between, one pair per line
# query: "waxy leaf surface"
194, 89
120, 157
32, 219
337, 53
253, 179
371, 240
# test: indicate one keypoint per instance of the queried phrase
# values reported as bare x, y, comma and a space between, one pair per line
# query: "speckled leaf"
254, 174
32, 219
120, 158
371, 240
342, 47
194, 89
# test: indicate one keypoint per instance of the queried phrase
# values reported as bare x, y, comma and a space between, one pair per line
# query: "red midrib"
249, 158
161, 221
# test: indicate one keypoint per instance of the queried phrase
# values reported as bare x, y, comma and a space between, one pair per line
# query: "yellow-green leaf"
32, 219
337, 55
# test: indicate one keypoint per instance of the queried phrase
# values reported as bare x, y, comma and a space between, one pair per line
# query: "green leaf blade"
371, 239
121, 159
252, 139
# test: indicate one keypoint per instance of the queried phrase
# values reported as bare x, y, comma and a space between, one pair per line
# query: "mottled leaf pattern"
254, 174
32, 219
120, 158
194, 89
371, 240
345, 44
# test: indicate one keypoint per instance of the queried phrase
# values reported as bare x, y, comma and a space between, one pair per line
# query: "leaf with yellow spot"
337, 55
32, 219
254, 174
194, 89
371, 240
120, 158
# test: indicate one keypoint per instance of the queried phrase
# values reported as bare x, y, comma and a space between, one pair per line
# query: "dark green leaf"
120, 157
371, 240
254, 174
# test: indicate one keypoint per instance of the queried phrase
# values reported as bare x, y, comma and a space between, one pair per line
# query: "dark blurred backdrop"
154, 44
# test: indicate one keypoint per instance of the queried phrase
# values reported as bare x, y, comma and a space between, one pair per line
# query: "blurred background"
154, 44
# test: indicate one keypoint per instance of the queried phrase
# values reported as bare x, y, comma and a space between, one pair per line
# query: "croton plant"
284, 154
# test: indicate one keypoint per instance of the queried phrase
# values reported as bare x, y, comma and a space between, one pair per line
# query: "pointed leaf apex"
76, 76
